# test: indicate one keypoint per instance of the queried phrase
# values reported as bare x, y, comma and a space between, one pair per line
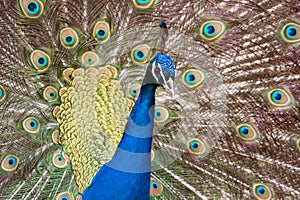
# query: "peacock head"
161, 71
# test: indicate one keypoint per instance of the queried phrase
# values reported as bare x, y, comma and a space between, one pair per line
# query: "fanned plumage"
70, 72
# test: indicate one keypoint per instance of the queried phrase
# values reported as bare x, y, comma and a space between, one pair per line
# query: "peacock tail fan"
71, 71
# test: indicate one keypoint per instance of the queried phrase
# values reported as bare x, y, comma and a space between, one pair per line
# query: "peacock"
83, 114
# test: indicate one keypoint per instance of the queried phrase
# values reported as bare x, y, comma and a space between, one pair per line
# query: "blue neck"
127, 174
139, 127
138, 132
142, 112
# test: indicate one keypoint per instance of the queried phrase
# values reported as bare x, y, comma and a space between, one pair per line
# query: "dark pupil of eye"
140, 54
32, 124
70, 76
277, 96
59, 159
69, 39
155, 185
64, 198
133, 91
245, 131
101, 33
292, 31
10, 161
191, 77
195, 145
51, 94
261, 190
210, 29
158, 114
41, 60
32, 6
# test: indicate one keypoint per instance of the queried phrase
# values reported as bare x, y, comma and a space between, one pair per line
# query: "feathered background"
241, 108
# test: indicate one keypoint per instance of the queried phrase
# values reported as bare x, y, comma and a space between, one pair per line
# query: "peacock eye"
143, 1
64, 196
156, 187
67, 74
279, 98
101, 34
143, 4
10, 163
290, 32
140, 53
68, 38
209, 30
262, 191
101, 31
50, 94
90, 59
32, 8
161, 114
134, 90
40, 60
2, 93
31, 125
59, 160
196, 146
212, 30
192, 78
246, 132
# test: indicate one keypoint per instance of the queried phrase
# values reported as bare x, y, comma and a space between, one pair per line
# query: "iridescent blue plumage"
127, 174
